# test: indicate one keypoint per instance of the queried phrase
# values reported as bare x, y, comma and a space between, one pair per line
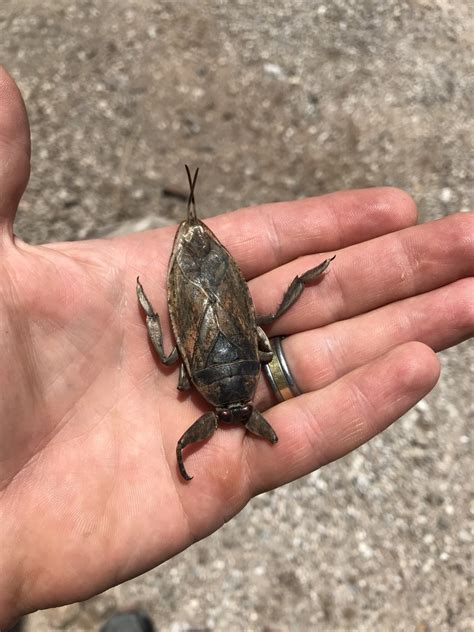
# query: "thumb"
14, 152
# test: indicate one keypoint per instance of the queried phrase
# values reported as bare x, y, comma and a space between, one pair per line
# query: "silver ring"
278, 373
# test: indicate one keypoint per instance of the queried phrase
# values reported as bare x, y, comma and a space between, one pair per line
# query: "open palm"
90, 493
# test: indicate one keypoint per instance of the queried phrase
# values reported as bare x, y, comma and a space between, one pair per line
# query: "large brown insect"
219, 339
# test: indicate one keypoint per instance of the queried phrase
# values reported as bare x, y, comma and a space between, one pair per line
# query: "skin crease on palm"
90, 493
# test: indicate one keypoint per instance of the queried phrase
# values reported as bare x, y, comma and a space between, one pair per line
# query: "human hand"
90, 493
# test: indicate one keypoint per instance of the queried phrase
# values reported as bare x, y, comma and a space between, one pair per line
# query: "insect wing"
211, 310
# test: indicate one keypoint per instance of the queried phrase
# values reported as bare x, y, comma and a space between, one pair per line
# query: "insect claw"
182, 469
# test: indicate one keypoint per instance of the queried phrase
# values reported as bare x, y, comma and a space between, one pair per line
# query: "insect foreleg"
201, 429
257, 424
154, 327
293, 292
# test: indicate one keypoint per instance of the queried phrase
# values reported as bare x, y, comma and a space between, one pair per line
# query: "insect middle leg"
184, 383
154, 327
265, 353
293, 292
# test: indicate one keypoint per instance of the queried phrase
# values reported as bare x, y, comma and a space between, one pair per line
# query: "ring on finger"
278, 373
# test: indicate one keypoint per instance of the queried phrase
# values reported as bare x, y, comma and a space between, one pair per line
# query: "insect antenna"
191, 202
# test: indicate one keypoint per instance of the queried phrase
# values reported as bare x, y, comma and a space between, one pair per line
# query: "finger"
263, 237
319, 427
14, 151
369, 275
439, 319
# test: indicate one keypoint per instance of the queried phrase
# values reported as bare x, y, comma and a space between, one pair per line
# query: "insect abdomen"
228, 383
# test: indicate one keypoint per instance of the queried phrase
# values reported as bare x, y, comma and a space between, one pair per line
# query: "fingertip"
14, 149
418, 368
14, 127
398, 202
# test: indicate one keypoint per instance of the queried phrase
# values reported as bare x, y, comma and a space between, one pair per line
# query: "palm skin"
90, 493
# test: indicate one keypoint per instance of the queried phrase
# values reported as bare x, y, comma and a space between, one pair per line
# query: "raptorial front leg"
257, 424
265, 352
293, 292
154, 327
201, 429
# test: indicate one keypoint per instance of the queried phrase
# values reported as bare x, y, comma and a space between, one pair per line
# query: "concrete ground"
273, 100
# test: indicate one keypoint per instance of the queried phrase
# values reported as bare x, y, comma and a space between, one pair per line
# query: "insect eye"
225, 415
245, 412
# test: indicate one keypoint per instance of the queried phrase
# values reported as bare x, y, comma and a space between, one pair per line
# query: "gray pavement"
274, 100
